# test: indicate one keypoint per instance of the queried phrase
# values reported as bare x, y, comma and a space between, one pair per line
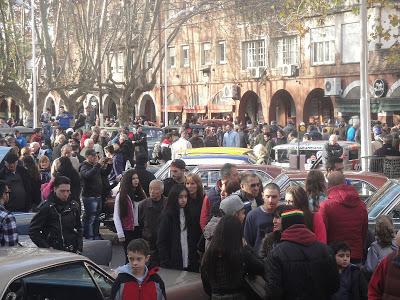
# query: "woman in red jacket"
297, 196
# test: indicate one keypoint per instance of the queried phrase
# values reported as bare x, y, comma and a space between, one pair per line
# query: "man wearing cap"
299, 267
230, 206
17, 178
259, 221
177, 170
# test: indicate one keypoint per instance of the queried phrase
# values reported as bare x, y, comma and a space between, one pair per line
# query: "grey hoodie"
209, 230
376, 253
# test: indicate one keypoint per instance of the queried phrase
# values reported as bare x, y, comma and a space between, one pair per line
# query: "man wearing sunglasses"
8, 225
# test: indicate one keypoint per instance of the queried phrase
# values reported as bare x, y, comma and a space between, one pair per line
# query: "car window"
394, 213
70, 281
265, 178
364, 189
153, 133
382, 200
103, 283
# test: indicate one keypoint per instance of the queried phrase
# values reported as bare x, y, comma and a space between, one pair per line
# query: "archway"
282, 108
110, 108
317, 107
3, 108
14, 110
50, 103
250, 108
147, 108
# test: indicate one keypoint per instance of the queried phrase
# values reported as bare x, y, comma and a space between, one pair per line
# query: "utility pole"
34, 84
365, 113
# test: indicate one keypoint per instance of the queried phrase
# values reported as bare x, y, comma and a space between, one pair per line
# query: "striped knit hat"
291, 217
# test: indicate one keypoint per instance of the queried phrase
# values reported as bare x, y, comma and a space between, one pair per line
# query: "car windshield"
153, 133
382, 199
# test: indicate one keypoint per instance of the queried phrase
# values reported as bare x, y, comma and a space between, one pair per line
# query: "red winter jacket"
127, 287
346, 218
385, 282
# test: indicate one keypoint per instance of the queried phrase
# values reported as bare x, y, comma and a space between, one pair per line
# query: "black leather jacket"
58, 225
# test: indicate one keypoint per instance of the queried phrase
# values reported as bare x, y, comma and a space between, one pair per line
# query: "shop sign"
380, 88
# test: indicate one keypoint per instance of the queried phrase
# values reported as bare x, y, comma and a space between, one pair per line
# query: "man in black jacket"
58, 222
92, 171
299, 267
140, 141
387, 148
145, 177
17, 179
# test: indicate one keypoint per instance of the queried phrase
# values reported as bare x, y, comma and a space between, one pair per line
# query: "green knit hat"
291, 217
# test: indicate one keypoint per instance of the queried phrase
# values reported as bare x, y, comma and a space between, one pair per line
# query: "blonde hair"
25, 151
44, 159
260, 150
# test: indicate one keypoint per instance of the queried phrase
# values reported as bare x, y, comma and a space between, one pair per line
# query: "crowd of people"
313, 245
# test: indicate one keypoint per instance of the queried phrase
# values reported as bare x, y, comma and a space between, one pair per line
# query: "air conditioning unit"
231, 91
288, 70
332, 86
256, 72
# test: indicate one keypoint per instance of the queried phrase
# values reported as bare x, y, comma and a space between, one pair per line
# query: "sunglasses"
253, 185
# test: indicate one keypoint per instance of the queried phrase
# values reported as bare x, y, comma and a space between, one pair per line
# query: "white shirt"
180, 145
184, 242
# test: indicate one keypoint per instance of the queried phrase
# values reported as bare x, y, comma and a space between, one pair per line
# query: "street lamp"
365, 114
34, 80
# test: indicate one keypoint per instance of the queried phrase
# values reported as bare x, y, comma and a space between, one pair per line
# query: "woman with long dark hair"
315, 189
175, 240
65, 168
227, 260
194, 186
126, 215
34, 176
297, 196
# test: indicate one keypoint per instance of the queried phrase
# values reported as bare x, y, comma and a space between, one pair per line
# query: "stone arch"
353, 89
3, 108
394, 90
147, 107
13, 109
110, 107
282, 107
49, 102
318, 107
250, 104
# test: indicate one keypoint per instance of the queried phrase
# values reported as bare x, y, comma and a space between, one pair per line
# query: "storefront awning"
173, 108
220, 108
195, 109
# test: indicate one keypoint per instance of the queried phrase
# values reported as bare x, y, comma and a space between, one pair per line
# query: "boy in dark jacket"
353, 285
135, 278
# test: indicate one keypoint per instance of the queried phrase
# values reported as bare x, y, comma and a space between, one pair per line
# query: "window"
286, 51
72, 281
351, 43
323, 45
148, 59
171, 57
221, 53
104, 283
185, 56
253, 54
205, 54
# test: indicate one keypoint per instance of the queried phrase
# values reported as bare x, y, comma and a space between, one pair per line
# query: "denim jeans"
91, 220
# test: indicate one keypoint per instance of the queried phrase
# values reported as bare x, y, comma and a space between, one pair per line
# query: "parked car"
176, 128
312, 151
29, 273
366, 183
217, 150
386, 201
211, 173
197, 160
